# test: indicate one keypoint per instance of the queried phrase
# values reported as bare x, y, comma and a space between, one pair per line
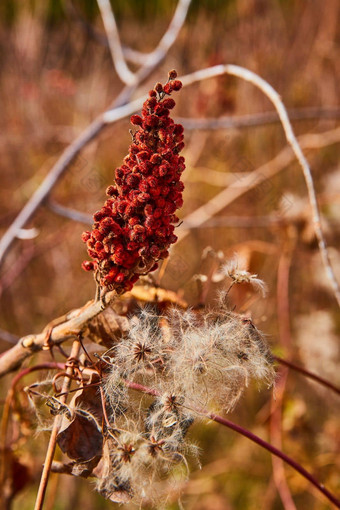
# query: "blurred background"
56, 77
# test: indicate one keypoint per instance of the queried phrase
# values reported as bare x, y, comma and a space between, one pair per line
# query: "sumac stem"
53, 438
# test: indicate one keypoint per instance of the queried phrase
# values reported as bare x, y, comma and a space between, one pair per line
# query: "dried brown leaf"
107, 328
80, 436
81, 439
149, 294
17, 476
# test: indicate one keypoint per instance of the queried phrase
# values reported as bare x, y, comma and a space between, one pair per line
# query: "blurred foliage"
141, 10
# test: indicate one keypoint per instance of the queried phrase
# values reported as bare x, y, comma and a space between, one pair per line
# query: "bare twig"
53, 437
61, 468
274, 97
257, 119
117, 111
124, 73
71, 214
58, 170
153, 59
74, 322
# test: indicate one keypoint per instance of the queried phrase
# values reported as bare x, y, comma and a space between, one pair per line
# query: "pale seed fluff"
192, 361
231, 270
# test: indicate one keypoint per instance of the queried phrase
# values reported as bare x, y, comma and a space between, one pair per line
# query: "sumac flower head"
147, 186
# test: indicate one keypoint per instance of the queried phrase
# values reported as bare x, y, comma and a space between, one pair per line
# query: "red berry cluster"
135, 227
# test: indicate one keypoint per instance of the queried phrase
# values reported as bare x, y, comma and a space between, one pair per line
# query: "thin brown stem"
53, 438
273, 96
275, 451
275, 423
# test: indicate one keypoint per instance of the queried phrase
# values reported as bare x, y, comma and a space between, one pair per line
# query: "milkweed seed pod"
135, 227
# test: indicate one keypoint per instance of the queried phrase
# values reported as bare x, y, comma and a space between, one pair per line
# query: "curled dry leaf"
80, 435
107, 328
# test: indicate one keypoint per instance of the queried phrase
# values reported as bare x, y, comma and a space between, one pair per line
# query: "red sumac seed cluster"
135, 227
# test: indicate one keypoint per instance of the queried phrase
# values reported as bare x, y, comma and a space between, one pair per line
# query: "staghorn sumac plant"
185, 360
135, 227
127, 425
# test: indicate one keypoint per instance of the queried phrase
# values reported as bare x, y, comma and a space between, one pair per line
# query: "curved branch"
68, 212
274, 451
68, 156
257, 119
124, 73
119, 111
130, 54
171, 34
274, 97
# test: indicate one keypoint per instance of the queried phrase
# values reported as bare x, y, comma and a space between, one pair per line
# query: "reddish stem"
308, 374
247, 433
41, 366
295, 465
